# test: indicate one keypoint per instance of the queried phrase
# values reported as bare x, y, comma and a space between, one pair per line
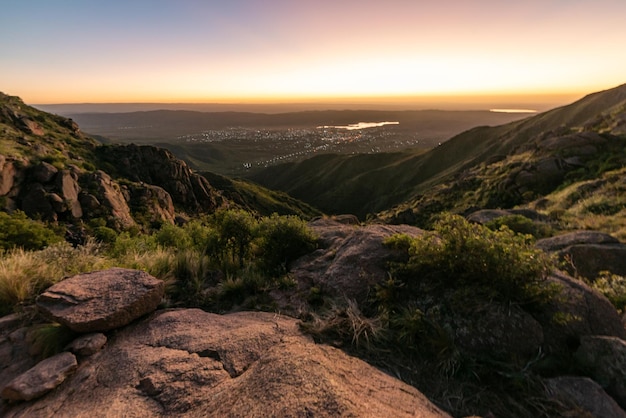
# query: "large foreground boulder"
101, 300
189, 363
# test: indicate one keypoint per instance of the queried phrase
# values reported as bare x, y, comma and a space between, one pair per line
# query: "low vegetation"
225, 260
411, 323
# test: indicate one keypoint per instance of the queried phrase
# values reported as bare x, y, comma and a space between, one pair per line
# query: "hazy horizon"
278, 51
523, 103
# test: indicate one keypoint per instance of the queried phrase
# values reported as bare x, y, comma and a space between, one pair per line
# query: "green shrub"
613, 287
236, 232
520, 225
172, 236
105, 234
458, 253
281, 240
19, 231
204, 238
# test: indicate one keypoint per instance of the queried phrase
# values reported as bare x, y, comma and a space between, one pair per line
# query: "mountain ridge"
407, 176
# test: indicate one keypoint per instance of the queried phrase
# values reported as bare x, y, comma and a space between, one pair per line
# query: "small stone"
41, 379
88, 344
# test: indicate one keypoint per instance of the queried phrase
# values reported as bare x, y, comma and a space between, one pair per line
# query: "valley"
238, 143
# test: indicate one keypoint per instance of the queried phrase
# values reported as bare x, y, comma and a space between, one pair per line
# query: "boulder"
29, 126
577, 311
154, 202
588, 253
193, 363
484, 216
109, 194
499, 332
102, 300
14, 353
7, 175
44, 172
36, 204
604, 358
68, 189
351, 259
584, 395
88, 344
41, 379
560, 242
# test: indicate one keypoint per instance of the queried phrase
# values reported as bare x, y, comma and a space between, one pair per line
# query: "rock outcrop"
587, 253
351, 259
102, 300
193, 363
158, 166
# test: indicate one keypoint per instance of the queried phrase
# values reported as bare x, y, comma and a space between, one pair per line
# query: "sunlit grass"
23, 274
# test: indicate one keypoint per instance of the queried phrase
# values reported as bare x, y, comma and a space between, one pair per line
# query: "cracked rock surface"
101, 300
193, 363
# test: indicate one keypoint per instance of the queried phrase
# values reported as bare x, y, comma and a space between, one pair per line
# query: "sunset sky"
68, 51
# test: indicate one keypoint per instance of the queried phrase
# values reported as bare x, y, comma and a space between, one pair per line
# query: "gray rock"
560, 242
113, 202
583, 393
605, 360
10, 321
102, 300
36, 203
41, 379
351, 260
578, 311
588, 253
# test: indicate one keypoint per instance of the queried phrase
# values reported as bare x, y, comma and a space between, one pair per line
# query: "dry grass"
23, 274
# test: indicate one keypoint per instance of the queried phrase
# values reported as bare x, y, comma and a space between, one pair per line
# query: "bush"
19, 231
172, 236
458, 253
613, 287
236, 231
520, 225
282, 239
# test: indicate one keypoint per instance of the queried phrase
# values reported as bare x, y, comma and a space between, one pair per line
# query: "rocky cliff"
52, 171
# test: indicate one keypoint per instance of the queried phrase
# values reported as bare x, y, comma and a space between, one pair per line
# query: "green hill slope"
361, 184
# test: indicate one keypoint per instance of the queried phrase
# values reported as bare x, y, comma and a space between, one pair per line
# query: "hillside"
51, 171
572, 137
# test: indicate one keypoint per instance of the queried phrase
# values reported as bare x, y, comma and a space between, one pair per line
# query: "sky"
78, 51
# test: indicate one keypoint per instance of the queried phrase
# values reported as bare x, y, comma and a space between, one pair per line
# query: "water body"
513, 110
359, 125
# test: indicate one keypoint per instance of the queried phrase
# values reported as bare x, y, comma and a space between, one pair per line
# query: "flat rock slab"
190, 363
41, 379
101, 300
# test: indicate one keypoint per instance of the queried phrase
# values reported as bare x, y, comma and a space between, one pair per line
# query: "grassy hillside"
445, 174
